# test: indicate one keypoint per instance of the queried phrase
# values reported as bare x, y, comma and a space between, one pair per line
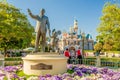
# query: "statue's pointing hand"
29, 11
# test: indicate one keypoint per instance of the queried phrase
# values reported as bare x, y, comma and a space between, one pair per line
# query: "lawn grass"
22, 74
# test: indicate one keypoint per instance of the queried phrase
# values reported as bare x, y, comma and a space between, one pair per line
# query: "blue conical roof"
80, 36
88, 36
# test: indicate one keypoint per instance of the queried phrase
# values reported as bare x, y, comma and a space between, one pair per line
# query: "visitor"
79, 55
67, 54
72, 54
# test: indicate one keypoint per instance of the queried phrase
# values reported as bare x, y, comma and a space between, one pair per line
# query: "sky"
62, 13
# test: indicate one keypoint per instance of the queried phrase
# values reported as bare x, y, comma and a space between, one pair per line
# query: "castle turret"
75, 26
71, 29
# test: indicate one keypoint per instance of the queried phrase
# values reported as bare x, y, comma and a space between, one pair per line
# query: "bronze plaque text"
41, 66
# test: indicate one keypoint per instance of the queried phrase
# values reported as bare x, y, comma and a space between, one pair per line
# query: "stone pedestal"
44, 63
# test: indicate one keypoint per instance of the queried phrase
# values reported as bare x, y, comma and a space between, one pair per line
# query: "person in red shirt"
79, 55
67, 54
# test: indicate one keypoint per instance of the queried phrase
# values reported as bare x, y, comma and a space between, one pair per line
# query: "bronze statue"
41, 28
54, 39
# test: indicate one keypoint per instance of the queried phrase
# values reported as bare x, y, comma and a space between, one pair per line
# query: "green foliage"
13, 63
13, 59
70, 71
5, 78
109, 28
22, 74
15, 29
111, 59
115, 52
88, 50
98, 46
107, 47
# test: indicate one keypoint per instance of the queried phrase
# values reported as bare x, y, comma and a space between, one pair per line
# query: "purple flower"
56, 78
84, 70
79, 73
42, 78
2, 74
116, 76
70, 66
64, 75
94, 70
76, 69
10, 69
15, 76
104, 70
48, 75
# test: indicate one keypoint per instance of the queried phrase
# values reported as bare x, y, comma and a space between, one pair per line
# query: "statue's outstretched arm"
33, 16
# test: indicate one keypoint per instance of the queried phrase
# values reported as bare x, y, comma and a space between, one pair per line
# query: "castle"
73, 39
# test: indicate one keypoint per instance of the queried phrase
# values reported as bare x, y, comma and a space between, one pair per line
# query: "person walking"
67, 54
79, 55
72, 53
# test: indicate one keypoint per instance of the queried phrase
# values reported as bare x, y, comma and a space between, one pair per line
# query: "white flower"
77, 78
33, 78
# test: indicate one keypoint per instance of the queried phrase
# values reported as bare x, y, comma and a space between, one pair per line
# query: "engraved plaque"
41, 66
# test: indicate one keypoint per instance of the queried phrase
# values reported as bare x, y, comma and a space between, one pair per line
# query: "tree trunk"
98, 60
98, 64
5, 51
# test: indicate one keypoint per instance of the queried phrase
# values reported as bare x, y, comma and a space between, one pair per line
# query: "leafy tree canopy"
109, 28
15, 29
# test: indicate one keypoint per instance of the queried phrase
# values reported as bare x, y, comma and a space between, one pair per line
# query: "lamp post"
83, 38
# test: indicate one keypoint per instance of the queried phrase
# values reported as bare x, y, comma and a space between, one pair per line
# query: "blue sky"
61, 13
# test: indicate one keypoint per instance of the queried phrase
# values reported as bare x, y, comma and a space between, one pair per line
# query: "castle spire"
75, 25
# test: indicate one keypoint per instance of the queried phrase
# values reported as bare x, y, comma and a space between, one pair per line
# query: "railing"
86, 61
110, 64
1, 62
92, 62
12, 63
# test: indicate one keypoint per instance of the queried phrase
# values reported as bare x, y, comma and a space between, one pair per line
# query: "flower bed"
74, 72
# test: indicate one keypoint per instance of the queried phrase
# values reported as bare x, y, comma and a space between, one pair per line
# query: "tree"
15, 29
98, 47
109, 28
107, 47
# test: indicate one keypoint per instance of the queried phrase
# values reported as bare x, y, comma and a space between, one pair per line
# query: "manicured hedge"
13, 59
12, 63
